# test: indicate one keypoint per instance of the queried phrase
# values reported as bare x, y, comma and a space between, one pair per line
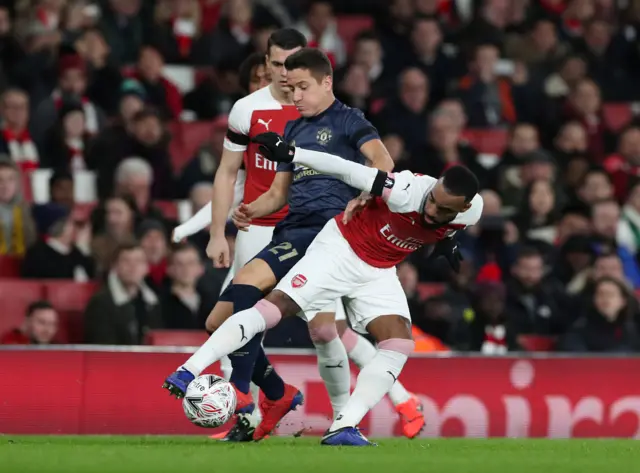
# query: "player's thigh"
257, 273
220, 312
382, 296
250, 243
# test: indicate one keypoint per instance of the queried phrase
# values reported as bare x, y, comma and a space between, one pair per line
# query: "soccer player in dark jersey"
328, 126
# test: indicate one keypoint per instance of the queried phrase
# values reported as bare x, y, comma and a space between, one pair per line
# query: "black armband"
382, 181
237, 138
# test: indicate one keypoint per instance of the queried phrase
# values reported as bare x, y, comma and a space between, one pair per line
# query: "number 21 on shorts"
283, 247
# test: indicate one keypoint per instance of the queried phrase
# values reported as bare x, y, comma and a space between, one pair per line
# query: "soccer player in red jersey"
356, 261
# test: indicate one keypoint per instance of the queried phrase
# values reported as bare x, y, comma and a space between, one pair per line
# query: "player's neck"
326, 104
285, 98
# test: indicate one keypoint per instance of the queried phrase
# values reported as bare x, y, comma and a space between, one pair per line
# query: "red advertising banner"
94, 392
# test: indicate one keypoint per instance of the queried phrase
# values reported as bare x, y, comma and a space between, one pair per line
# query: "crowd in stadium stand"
113, 113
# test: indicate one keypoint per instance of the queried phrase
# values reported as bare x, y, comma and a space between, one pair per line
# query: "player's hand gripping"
354, 206
448, 248
241, 217
218, 252
274, 147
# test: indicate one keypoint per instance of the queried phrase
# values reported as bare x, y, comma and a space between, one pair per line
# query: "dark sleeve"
98, 328
104, 89
359, 130
30, 266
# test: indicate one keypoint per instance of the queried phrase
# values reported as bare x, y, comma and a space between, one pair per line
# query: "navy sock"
243, 360
265, 377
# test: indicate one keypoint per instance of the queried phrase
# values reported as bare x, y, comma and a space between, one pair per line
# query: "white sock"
362, 351
333, 366
226, 368
230, 336
374, 381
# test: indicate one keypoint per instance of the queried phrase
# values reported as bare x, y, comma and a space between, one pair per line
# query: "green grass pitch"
97, 454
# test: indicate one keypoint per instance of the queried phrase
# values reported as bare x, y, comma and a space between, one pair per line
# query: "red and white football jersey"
390, 228
252, 115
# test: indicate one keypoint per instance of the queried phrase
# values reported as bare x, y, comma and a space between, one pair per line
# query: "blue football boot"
347, 437
177, 382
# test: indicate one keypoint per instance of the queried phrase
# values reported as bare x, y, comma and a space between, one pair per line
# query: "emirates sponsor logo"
410, 244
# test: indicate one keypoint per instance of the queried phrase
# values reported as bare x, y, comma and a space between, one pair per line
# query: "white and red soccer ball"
210, 401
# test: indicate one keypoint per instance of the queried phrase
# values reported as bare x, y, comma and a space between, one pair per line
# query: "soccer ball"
210, 401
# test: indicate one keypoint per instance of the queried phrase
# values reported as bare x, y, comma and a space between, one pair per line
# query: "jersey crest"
323, 136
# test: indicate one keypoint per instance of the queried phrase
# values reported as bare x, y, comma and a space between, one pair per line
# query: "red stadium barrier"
105, 392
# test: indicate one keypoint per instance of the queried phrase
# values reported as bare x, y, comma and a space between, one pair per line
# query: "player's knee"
399, 345
323, 334
389, 327
283, 303
211, 324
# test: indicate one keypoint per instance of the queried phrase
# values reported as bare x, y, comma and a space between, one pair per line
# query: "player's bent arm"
378, 155
274, 199
396, 189
223, 190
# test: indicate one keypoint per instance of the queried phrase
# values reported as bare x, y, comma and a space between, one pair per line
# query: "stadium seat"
70, 299
617, 115
185, 141
10, 266
16, 295
487, 141
426, 290
189, 338
539, 343
349, 26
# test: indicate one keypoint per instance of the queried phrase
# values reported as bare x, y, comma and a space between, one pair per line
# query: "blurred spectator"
11, 52
408, 276
65, 144
185, 306
397, 151
368, 54
395, 26
573, 264
117, 228
445, 149
585, 105
320, 29
72, 88
355, 88
535, 165
488, 99
624, 166
15, 140
629, 226
61, 189
539, 212
570, 143
406, 114
104, 76
488, 327
200, 196
576, 15
571, 71
535, 306
40, 326
58, 256
134, 178
153, 239
595, 186
204, 164
124, 29
606, 60
61, 203
608, 265
488, 27
216, 95
17, 229
523, 139
605, 217
125, 308
147, 140
574, 221
253, 74
429, 54
607, 325
540, 48
178, 32
232, 36
159, 92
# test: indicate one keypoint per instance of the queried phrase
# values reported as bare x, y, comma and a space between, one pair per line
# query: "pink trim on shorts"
400, 345
323, 334
386, 191
349, 340
269, 312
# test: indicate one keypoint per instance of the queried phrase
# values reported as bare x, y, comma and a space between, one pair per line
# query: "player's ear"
327, 83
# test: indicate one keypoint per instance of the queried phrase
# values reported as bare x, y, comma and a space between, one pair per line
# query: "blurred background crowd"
113, 112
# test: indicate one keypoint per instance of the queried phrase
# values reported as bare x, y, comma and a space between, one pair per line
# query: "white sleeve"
239, 124
201, 220
404, 192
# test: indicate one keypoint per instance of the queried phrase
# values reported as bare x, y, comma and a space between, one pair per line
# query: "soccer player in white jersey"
356, 261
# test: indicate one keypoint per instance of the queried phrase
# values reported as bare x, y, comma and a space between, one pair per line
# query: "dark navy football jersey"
315, 198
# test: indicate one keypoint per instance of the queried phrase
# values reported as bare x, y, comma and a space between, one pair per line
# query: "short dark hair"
183, 247
287, 39
602, 202
367, 35
147, 112
528, 252
59, 175
247, 67
124, 248
311, 59
459, 180
312, 3
38, 305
